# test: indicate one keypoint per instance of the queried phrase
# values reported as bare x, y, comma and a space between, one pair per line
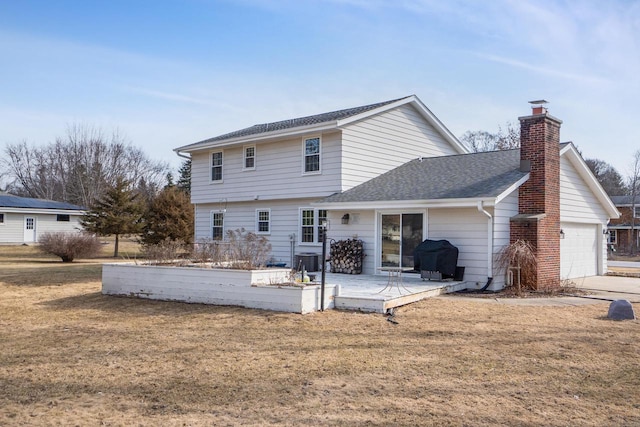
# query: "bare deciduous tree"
506, 138
634, 190
79, 167
611, 181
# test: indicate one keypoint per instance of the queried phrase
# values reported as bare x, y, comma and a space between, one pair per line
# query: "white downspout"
489, 243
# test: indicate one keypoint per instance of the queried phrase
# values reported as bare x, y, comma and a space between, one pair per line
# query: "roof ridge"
300, 121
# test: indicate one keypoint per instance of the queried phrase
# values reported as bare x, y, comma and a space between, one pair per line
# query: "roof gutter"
184, 156
406, 204
253, 138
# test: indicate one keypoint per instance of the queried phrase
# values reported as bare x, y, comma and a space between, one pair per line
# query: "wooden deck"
374, 293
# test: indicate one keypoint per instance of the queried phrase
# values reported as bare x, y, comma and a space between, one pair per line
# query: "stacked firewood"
346, 256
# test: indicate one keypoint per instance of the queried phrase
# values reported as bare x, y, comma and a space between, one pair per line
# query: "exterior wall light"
561, 233
345, 218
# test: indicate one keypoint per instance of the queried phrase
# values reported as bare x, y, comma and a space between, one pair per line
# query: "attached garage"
579, 249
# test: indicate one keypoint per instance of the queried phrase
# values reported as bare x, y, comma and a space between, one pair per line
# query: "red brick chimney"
538, 220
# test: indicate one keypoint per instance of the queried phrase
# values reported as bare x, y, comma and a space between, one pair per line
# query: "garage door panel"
578, 250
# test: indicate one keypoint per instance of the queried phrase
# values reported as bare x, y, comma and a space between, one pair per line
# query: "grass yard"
71, 356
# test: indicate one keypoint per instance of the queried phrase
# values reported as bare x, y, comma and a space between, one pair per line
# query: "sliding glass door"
400, 234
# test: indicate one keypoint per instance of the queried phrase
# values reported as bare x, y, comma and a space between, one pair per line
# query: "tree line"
508, 137
124, 191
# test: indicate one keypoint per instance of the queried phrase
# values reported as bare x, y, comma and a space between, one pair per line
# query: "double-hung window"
311, 147
311, 230
636, 211
249, 157
217, 225
263, 221
613, 237
216, 166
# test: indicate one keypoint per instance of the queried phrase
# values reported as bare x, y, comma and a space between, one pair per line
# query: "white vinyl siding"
284, 226
502, 214
577, 202
216, 166
467, 229
361, 226
578, 205
12, 230
279, 174
380, 143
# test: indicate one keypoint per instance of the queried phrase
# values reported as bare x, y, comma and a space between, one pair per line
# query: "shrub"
521, 256
165, 251
213, 251
70, 246
247, 250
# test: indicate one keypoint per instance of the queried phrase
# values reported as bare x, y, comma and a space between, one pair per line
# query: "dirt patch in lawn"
71, 356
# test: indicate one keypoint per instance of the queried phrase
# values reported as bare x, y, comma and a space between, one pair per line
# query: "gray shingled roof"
475, 175
298, 122
623, 200
10, 201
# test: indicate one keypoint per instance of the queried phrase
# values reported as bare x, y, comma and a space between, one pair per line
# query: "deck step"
382, 303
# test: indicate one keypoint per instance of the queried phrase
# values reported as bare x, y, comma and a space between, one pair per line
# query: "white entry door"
29, 229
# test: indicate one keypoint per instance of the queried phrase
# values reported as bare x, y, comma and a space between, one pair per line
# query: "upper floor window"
311, 230
63, 218
263, 221
250, 157
613, 237
216, 166
217, 225
312, 155
636, 211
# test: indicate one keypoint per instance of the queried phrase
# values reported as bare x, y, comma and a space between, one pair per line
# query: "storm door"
400, 235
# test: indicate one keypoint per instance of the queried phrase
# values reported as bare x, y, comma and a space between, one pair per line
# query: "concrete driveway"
600, 289
611, 287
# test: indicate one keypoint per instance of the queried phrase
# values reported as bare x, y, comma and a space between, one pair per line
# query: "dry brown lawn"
71, 356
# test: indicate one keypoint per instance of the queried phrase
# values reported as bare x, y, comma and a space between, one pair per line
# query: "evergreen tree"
184, 179
169, 216
118, 213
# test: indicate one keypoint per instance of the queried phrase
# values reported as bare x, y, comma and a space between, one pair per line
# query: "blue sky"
169, 73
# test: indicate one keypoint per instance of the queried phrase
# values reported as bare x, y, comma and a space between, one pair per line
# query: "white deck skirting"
370, 293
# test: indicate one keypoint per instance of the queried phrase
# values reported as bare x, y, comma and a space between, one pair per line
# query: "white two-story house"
392, 175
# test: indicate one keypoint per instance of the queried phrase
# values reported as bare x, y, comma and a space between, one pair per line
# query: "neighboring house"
620, 235
24, 220
392, 175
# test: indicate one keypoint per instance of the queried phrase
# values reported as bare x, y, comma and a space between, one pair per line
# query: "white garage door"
578, 250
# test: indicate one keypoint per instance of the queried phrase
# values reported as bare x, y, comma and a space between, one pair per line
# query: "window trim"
304, 155
316, 226
268, 221
245, 157
212, 215
221, 166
